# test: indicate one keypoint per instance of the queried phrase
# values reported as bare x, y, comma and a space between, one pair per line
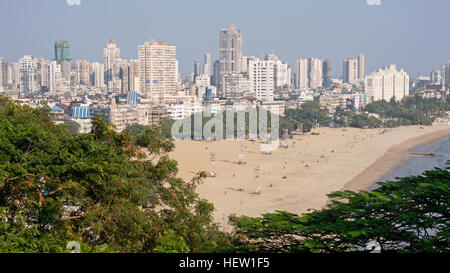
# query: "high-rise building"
54, 77
97, 76
216, 73
27, 75
111, 59
62, 51
315, 72
4, 74
62, 56
387, 83
445, 75
261, 75
237, 86
196, 69
207, 66
350, 70
1, 75
43, 74
230, 53
435, 76
157, 69
326, 73
134, 75
282, 71
83, 73
361, 67
16, 74
124, 75
301, 74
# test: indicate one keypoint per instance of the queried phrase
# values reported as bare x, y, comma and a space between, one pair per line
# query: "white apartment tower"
157, 69
97, 75
207, 66
261, 75
27, 75
315, 69
387, 83
54, 77
230, 53
361, 67
82, 73
301, 74
282, 71
351, 70
111, 58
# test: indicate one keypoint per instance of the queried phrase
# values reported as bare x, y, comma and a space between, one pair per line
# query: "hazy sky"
414, 34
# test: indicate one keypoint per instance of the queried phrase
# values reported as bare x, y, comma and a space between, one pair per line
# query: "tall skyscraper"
157, 69
4, 79
261, 75
387, 83
97, 77
62, 56
83, 73
111, 58
326, 73
230, 53
361, 67
445, 75
301, 74
43, 73
351, 70
216, 73
1, 75
27, 75
315, 72
134, 75
196, 69
207, 66
54, 76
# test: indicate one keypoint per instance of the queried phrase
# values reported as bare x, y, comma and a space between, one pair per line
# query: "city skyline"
90, 25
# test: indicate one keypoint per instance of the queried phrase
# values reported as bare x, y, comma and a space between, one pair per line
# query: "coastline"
394, 157
300, 177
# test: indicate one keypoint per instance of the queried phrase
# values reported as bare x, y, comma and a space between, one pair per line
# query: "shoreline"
300, 177
393, 158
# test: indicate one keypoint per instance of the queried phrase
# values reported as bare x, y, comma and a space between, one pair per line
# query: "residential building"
261, 75
301, 80
387, 83
230, 53
351, 70
157, 69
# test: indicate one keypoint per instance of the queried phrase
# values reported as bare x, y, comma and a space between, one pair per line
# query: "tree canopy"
408, 215
100, 189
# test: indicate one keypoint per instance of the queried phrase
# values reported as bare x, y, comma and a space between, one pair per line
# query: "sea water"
416, 165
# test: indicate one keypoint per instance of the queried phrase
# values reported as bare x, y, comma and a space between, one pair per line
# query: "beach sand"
298, 178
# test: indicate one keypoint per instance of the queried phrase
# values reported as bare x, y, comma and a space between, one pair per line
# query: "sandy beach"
298, 178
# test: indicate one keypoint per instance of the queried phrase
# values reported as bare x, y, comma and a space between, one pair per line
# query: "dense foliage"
413, 110
101, 189
357, 120
408, 215
309, 114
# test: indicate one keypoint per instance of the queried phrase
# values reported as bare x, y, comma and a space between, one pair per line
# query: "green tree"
408, 215
98, 189
72, 126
